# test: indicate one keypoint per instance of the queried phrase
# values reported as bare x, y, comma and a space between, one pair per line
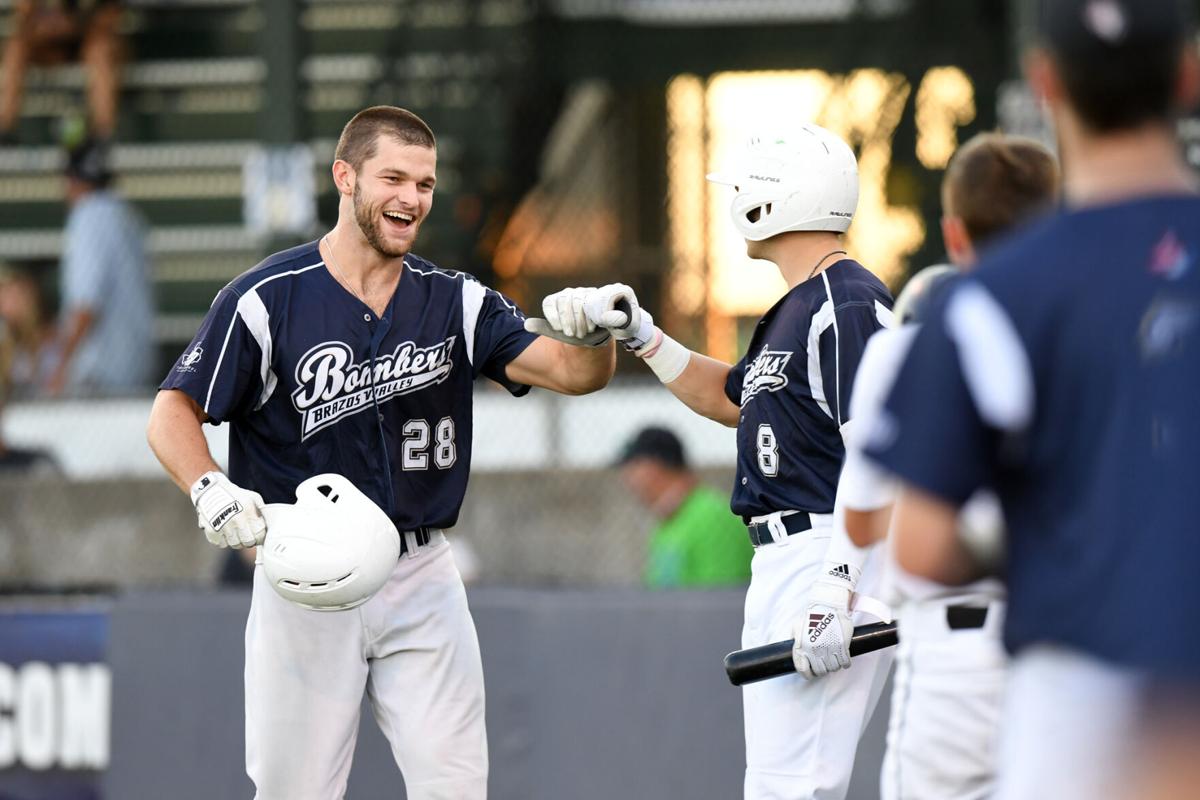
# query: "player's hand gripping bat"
775, 659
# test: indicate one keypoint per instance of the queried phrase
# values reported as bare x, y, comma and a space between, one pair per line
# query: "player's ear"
344, 177
958, 242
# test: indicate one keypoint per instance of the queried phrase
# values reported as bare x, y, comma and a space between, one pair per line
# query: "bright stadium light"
945, 102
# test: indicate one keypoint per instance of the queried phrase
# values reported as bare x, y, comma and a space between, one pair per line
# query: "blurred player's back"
1097, 396
1065, 375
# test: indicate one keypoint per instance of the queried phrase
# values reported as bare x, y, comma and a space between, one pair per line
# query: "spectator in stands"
106, 330
698, 541
48, 32
29, 332
17, 306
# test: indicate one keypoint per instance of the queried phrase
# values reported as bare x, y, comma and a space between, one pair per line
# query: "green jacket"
701, 544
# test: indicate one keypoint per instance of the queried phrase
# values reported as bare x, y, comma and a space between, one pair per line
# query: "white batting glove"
564, 311
823, 631
565, 320
616, 308
229, 515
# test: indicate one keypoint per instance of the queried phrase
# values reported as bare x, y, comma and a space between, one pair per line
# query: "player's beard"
367, 216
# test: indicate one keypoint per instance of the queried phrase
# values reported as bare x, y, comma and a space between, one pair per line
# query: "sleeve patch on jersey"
994, 364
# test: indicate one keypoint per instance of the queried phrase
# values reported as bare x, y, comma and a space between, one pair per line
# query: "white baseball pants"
412, 647
1069, 727
801, 736
947, 701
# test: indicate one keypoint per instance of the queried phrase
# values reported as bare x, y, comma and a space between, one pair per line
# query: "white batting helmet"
332, 549
807, 181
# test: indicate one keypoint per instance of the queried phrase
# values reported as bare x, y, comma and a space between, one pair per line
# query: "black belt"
965, 617
760, 533
423, 536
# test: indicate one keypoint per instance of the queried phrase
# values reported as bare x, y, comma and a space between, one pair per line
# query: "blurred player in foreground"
697, 541
1063, 373
352, 355
950, 665
788, 398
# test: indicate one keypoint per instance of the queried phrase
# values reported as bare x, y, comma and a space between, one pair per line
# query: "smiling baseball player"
788, 398
353, 356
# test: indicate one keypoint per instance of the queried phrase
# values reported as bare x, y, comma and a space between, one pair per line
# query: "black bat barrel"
775, 659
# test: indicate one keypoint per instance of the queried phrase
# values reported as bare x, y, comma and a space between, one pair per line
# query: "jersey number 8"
414, 452
768, 451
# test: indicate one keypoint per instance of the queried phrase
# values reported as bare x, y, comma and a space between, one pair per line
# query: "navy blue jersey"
312, 381
1066, 374
793, 386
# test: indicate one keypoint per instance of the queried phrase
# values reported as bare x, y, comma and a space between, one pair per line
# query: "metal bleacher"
193, 103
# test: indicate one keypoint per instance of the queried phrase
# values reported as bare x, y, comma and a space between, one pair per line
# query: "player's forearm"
701, 387
585, 369
865, 528
926, 539
175, 435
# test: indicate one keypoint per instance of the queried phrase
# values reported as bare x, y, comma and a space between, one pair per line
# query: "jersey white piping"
994, 364
816, 382
258, 321
885, 316
229, 332
473, 293
454, 275
837, 348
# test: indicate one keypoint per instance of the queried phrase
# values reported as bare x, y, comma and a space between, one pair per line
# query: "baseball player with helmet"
788, 398
950, 664
345, 368
1063, 373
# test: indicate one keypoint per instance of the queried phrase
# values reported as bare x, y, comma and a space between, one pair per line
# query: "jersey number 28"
415, 451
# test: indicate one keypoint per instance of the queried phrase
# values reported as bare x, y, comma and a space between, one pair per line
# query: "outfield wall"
592, 695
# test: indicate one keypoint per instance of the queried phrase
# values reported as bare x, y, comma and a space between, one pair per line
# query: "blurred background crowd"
151, 150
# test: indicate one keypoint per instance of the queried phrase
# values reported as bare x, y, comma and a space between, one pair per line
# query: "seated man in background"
107, 326
49, 32
698, 541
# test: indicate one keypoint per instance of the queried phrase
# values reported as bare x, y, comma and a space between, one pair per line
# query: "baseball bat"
775, 659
